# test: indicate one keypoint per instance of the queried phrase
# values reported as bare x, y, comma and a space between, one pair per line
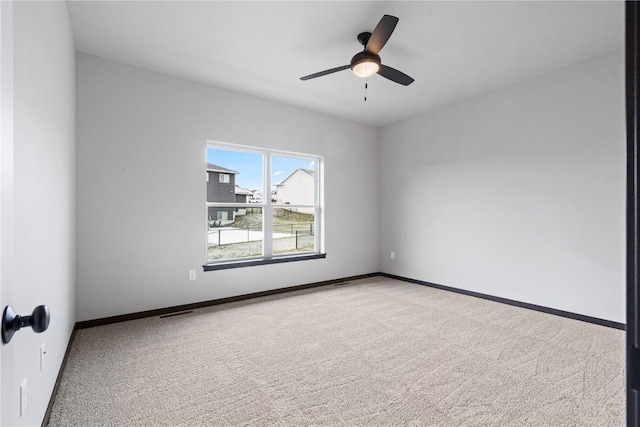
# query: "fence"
226, 236
299, 238
233, 235
304, 215
294, 228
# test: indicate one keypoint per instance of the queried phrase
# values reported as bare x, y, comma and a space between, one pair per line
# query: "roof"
215, 168
307, 171
242, 190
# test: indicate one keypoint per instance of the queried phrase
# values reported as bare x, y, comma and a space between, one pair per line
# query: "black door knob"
12, 322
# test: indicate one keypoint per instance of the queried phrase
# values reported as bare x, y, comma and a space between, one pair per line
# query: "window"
272, 210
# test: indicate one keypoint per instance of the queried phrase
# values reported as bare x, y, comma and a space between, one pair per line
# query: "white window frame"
224, 178
268, 206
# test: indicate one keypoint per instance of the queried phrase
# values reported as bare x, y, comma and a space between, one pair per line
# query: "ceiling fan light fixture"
365, 69
365, 65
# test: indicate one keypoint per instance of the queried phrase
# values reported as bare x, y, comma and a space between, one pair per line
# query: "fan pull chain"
366, 85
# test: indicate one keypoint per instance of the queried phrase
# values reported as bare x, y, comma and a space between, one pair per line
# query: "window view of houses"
236, 204
296, 189
222, 187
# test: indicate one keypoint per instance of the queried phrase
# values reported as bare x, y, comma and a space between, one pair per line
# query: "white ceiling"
454, 50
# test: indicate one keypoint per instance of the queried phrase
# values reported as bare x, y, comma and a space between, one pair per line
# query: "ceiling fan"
367, 62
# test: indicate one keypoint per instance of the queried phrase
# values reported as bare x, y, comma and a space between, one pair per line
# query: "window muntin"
236, 230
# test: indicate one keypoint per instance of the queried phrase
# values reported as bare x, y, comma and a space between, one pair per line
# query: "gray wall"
130, 121
40, 256
517, 193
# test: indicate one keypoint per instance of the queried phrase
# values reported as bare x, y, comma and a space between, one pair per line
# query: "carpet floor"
372, 352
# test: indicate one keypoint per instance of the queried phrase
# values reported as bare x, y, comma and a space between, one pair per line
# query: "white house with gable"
297, 188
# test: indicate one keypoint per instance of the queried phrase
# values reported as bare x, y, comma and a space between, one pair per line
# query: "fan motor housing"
365, 57
363, 38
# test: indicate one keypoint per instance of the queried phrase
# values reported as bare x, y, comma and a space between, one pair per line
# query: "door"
632, 56
6, 179
2, 191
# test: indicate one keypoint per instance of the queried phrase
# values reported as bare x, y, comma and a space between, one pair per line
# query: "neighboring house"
256, 196
243, 195
297, 189
221, 184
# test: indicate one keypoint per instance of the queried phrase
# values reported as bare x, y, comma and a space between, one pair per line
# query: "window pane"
293, 230
234, 233
293, 180
236, 183
234, 176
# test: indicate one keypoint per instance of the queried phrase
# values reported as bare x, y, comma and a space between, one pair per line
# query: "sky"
250, 166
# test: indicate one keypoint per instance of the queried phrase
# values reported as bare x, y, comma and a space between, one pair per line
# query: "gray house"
243, 194
221, 187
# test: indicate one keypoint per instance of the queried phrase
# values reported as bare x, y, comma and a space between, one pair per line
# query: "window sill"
225, 265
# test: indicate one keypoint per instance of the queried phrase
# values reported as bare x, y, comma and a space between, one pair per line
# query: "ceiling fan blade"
325, 72
395, 75
381, 34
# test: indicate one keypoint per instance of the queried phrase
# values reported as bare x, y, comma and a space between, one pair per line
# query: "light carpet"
372, 352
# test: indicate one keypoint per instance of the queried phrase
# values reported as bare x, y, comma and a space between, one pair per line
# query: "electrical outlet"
192, 275
43, 351
392, 255
23, 397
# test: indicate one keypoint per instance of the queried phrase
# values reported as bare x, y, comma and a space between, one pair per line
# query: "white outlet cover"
192, 275
23, 397
393, 255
